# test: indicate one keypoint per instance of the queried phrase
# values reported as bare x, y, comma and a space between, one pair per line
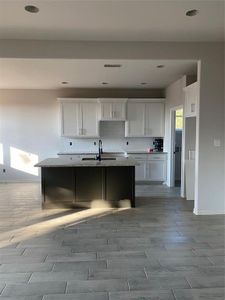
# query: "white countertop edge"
58, 162
111, 152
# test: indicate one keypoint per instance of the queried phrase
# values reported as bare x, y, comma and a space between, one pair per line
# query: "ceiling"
113, 20
50, 73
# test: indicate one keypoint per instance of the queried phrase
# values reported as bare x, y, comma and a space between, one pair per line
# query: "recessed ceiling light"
192, 12
104, 83
160, 66
31, 9
64, 82
112, 65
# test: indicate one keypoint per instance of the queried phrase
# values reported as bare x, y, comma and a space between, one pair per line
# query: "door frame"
172, 149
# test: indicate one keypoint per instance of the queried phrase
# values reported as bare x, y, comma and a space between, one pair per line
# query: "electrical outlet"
217, 143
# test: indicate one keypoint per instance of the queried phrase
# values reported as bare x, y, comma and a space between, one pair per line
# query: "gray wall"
107, 93
210, 125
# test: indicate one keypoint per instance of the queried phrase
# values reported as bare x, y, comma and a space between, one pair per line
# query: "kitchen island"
76, 182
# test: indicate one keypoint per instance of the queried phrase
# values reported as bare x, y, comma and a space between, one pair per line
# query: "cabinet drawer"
157, 157
138, 156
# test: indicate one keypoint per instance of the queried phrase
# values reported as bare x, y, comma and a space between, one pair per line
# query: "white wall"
112, 135
30, 122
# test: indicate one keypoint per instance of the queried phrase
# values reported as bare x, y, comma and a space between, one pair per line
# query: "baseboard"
20, 181
199, 212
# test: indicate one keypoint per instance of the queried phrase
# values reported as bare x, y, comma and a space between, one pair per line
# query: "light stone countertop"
78, 162
111, 152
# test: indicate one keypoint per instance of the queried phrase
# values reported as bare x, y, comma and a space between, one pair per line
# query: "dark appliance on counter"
158, 145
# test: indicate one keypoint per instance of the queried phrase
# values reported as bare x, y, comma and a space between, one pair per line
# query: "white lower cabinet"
151, 167
140, 170
156, 170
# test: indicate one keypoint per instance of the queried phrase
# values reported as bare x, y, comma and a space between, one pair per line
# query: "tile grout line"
187, 281
3, 289
128, 284
108, 295
146, 274
30, 277
66, 288
172, 291
212, 263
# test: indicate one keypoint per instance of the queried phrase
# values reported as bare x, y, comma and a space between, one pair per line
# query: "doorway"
177, 125
178, 146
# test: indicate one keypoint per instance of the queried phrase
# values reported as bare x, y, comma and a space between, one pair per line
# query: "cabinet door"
135, 125
118, 111
191, 100
89, 119
119, 183
106, 111
140, 170
58, 186
88, 184
154, 119
156, 170
69, 117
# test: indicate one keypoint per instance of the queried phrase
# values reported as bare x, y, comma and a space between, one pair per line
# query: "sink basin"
103, 158
108, 158
88, 158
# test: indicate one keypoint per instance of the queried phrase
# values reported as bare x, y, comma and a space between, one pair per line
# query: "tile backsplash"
112, 135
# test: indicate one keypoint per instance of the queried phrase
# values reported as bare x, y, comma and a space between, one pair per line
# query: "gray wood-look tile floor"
159, 250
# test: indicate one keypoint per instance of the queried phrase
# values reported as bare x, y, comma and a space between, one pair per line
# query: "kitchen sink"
108, 158
103, 158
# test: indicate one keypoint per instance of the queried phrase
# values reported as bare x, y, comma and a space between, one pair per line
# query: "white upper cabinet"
145, 118
113, 109
154, 119
79, 118
135, 125
191, 99
69, 119
89, 112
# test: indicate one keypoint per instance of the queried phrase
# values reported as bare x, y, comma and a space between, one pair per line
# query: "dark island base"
72, 187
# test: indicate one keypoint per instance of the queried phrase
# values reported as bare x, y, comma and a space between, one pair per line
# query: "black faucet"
100, 151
